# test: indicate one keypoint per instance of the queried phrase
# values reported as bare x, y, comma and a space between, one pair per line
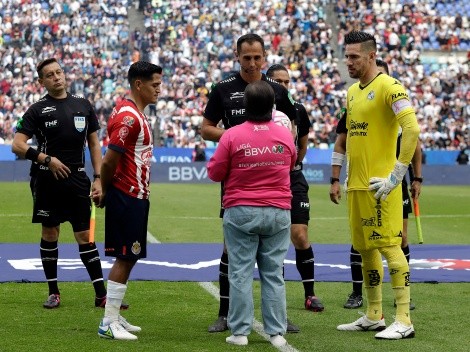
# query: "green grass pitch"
175, 315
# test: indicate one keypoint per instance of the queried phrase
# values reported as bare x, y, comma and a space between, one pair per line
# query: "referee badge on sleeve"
79, 122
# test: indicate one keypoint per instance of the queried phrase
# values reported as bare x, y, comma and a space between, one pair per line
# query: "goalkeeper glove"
385, 185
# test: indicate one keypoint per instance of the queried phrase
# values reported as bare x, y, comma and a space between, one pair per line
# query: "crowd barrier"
182, 172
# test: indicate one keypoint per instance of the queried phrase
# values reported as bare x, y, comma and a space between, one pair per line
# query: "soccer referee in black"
63, 124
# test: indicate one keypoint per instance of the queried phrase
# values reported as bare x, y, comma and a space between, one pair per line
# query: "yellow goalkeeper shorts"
375, 223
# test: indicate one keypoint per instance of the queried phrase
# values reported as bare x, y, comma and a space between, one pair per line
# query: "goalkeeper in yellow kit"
376, 106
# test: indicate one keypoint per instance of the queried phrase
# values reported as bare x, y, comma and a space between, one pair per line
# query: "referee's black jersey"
61, 127
303, 122
226, 101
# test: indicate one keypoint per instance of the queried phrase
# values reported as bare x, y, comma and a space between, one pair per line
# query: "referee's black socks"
91, 259
49, 256
224, 285
305, 263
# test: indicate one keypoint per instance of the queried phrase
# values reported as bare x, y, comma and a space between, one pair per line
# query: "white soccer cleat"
128, 326
114, 331
363, 324
278, 340
396, 331
239, 340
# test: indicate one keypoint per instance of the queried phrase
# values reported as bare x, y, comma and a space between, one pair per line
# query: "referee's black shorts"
126, 220
58, 201
407, 209
300, 212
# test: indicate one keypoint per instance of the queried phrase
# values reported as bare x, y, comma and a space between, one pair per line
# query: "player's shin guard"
400, 279
115, 295
91, 259
49, 256
224, 286
305, 263
373, 272
356, 270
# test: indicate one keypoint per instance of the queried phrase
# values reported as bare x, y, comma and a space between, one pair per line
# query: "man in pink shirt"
253, 160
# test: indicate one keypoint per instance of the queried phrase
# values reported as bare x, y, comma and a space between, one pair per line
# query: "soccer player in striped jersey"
125, 177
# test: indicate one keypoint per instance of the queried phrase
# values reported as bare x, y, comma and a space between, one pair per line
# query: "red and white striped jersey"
130, 133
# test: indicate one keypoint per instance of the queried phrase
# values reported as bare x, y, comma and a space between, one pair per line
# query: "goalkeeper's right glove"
385, 185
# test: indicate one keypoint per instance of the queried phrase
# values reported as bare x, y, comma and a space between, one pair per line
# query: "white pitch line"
257, 326
213, 290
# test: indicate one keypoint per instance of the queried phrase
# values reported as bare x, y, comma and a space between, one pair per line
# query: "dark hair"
259, 101
43, 64
274, 68
381, 63
366, 40
142, 70
249, 38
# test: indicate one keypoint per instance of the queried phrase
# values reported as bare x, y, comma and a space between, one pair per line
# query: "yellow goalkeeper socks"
400, 279
373, 271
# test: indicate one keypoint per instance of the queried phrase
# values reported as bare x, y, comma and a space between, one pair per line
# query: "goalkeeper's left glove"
385, 185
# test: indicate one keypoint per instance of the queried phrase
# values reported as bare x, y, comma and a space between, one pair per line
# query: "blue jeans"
257, 235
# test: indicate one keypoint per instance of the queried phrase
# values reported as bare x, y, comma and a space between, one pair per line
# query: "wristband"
95, 176
418, 179
333, 180
337, 158
32, 154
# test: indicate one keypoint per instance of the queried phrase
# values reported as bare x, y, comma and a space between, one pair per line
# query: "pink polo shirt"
254, 160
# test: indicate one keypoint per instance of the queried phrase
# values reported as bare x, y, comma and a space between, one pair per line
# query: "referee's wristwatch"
333, 180
47, 160
418, 179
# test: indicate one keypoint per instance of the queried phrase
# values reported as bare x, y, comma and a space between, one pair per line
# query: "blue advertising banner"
197, 173
163, 155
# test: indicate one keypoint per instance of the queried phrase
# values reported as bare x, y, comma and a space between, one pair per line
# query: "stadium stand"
426, 44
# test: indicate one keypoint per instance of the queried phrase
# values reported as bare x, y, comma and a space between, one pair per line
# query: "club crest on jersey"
371, 95
237, 95
136, 248
79, 122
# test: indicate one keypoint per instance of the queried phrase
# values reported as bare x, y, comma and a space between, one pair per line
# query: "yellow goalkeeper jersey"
372, 122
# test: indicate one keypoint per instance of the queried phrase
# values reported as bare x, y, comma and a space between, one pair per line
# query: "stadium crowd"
194, 42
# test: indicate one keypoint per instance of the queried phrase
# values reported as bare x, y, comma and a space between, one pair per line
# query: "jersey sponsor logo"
123, 133
48, 109
400, 95
259, 151
378, 209
128, 121
371, 95
44, 213
243, 146
358, 128
237, 95
374, 277
79, 122
407, 278
237, 112
257, 128
136, 248
368, 222
51, 124
400, 105
147, 156
375, 236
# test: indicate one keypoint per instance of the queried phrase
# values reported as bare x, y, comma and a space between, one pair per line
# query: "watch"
333, 180
47, 160
419, 179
